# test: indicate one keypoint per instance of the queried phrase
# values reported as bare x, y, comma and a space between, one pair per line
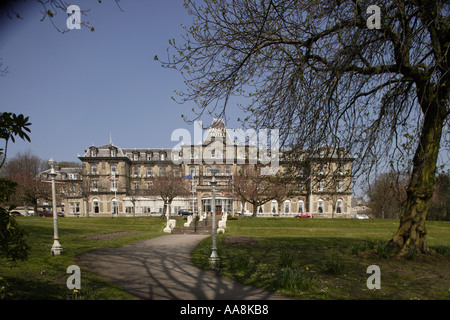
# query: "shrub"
293, 280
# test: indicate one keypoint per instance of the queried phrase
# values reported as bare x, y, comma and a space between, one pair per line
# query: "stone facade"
114, 181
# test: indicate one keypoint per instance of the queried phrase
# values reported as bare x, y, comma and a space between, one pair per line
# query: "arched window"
320, 206
95, 206
115, 208
339, 205
274, 206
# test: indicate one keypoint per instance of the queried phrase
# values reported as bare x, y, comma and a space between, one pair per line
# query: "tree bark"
411, 234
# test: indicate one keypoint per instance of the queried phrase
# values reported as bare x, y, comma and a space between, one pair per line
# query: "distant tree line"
388, 193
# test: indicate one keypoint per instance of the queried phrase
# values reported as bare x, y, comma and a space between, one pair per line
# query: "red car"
304, 215
50, 214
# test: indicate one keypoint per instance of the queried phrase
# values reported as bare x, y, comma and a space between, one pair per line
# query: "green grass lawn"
44, 276
325, 259
301, 258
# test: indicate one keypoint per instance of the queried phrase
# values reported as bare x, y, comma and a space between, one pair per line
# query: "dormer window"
93, 152
162, 156
113, 152
135, 156
149, 156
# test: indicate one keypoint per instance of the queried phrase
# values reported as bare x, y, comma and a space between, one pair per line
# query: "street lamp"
56, 248
214, 258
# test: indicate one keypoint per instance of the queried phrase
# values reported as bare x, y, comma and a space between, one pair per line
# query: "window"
149, 156
227, 170
149, 185
340, 186
94, 185
192, 171
93, 152
162, 172
136, 156
274, 206
287, 207
136, 186
149, 172
339, 204
95, 207
300, 206
114, 206
321, 169
114, 185
136, 172
320, 206
113, 152
176, 172
162, 156
321, 185
94, 169
113, 168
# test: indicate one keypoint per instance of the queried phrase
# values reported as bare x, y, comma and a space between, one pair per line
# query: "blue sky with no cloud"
81, 86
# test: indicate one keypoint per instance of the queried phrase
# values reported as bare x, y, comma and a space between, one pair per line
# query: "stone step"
202, 227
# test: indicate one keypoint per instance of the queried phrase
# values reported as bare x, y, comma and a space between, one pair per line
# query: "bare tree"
387, 195
252, 187
24, 169
168, 187
320, 73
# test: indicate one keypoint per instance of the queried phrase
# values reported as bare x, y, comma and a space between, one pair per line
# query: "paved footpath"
161, 269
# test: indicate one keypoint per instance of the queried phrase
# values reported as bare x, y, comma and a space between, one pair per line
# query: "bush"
287, 259
334, 267
293, 280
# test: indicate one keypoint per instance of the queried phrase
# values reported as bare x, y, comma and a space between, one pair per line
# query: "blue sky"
81, 86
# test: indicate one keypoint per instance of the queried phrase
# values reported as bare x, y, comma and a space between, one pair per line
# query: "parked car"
156, 214
304, 215
245, 214
362, 216
185, 212
50, 214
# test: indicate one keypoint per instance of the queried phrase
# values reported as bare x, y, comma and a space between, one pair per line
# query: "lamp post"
214, 258
56, 247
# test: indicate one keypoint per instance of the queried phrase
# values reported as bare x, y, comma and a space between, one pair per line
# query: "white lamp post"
56, 248
214, 258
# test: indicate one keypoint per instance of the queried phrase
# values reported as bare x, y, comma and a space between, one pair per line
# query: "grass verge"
328, 259
44, 276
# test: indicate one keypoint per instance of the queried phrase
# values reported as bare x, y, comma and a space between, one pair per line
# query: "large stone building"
118, 181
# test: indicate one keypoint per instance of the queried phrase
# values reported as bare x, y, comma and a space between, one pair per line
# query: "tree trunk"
411, 234
255, 209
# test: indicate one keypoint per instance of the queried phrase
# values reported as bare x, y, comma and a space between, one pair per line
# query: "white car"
246, 213
363, 216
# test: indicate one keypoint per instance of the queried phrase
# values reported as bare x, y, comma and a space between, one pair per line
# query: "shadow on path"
161, 269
